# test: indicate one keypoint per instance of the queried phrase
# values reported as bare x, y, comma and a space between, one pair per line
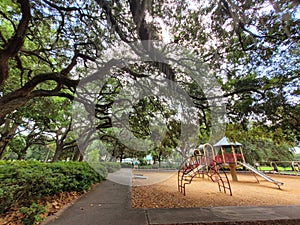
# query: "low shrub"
32, 214
24, 182
111, 166
126, 165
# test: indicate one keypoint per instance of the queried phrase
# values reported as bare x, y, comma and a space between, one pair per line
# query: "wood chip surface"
205, 193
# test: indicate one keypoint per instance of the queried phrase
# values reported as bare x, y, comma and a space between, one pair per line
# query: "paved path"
110, 203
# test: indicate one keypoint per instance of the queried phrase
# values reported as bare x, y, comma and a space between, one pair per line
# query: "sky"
297, 150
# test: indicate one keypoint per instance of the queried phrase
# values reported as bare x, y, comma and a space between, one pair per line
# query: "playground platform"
110, 203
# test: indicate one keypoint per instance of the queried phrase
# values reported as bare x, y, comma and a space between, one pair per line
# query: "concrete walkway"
110, 203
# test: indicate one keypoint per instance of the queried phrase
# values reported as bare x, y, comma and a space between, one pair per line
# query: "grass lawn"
270, 168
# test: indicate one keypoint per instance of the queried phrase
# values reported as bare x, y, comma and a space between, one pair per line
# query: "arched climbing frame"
200, 164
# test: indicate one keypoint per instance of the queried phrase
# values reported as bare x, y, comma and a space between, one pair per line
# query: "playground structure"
231, 155
212, 160
201, 163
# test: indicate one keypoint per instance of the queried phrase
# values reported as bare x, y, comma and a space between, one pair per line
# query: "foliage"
261, 144
280, 168
126, 165
47, 47
105, 167
142, 161
32, 214
164, 166
23, 182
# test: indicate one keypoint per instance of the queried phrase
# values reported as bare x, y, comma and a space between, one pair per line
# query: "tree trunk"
2, 148
121, 157
47, 156
6, 134
61, 142
81, 158
76, 155
154, 160
16, 41
233, 173
57, 153
159, 158
23, 153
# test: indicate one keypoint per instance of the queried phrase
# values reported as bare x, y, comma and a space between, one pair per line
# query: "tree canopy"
48, 48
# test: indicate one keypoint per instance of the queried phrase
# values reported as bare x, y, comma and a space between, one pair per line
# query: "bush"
111, 166
32, 214
24, 182
126, 165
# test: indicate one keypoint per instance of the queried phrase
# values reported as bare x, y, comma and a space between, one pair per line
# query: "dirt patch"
202, 192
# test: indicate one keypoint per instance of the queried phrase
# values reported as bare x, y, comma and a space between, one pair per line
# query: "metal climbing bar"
202, 165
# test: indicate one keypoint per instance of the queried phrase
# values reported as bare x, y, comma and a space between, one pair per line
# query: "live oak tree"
43, 122
252, 47
46, 43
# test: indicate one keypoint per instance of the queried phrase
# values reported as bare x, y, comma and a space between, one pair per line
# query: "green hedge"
24, 182
110, 166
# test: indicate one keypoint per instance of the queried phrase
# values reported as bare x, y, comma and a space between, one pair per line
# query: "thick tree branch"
16, 42
10, 20
111, 19
61, 8
20, 97
3, 39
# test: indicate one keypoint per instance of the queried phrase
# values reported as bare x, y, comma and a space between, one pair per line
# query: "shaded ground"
204, 193
53, 204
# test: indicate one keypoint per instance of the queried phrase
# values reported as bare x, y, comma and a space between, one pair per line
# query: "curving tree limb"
16, 42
